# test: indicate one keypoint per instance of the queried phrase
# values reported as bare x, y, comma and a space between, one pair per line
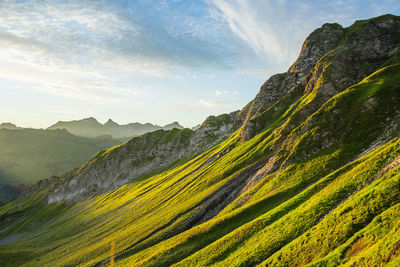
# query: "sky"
154, 61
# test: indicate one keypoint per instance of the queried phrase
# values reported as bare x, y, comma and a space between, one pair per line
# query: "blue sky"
152, 61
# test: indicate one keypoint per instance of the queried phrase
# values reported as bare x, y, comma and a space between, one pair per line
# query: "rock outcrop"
332, 59
110, 169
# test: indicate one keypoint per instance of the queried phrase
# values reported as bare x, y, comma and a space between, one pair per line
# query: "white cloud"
225, 92
72, 83
213, 105
244, 19
114, 52
275, 30
64, 47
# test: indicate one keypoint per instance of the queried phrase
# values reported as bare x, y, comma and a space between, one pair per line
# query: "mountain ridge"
91, 128
307, 173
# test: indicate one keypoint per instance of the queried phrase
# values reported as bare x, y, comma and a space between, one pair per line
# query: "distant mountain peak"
172, 125
111, 123
90, 120
8, 125
92, 128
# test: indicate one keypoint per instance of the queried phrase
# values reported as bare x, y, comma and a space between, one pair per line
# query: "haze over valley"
289, 154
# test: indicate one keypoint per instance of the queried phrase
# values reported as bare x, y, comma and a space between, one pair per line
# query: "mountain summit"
8, 125
307, 173
91, 128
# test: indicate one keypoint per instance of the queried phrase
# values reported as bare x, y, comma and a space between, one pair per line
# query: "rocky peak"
366, 46
152, 151
214, 129
328, 63
90, 120
111, 123
332, 58
317, 44
175, 124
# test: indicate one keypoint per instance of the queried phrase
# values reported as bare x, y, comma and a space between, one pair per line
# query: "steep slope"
88, 128
8, 192
28, 155
172, 125
131, 129
136, 129
91, 128
8, 125
143, 155
306, 174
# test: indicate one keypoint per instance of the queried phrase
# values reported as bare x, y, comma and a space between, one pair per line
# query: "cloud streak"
130, 54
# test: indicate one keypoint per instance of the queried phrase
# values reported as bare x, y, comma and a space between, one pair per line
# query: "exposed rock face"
213, 130
364, 47
112, 168
315, 46
332, 58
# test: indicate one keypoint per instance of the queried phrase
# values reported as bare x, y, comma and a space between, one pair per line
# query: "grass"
28, 155
328, 194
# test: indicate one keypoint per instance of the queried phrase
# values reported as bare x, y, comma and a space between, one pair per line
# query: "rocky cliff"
306, 174
149, 153
330, 60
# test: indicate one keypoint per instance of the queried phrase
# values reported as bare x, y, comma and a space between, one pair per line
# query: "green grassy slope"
316, 183
28, 155
338, 198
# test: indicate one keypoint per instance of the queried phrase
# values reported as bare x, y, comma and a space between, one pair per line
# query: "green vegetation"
91, 128
28, 155
317, 184
326, 198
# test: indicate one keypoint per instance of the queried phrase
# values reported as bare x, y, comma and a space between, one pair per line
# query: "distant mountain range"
306, 174
8, 192
30, 155
8, 125
91, 128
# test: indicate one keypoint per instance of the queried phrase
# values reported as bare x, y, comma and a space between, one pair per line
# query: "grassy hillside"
313, 179
28, 155
342, 199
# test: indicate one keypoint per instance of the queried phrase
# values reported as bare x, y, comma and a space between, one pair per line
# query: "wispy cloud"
131, 54
74, 48
274, 30
244, 20
225, 92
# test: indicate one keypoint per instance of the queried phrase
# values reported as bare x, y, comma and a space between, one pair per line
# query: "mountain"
8, 125
149, 153
172, 126
29, 155
91, 128
88, 128
8, 192
307, 173
136, 129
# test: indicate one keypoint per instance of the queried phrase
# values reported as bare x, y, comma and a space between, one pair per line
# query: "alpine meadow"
306, 174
